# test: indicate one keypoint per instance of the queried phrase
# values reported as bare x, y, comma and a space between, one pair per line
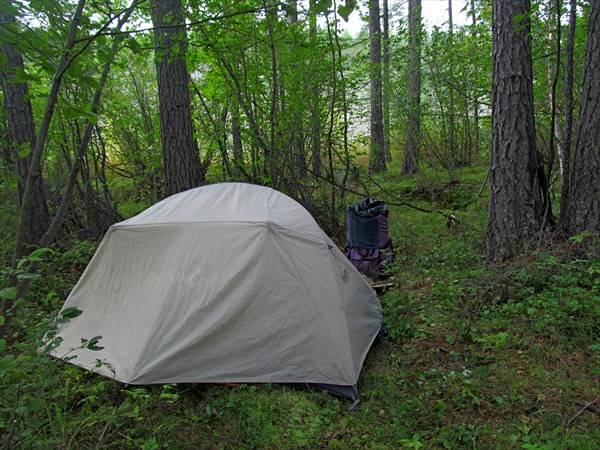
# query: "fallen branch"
586, 407
591, 408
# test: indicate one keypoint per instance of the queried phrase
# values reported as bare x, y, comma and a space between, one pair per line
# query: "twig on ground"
587, 406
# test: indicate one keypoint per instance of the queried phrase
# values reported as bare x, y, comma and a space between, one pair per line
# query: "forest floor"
476, 356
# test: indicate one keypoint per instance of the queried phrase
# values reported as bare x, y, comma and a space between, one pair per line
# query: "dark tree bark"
8, 306
271, 155
565, 148
27, 213
410, 163
181, 159
386, 80
583, 209
377, 156
315, 124
237, 146
459, 159
475, 101
515, 202
339, 68
21, 127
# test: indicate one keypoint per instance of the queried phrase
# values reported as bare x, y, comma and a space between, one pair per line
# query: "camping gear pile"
369, 242
226, 283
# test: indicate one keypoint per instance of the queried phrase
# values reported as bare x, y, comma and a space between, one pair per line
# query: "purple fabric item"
369, 241
365, 260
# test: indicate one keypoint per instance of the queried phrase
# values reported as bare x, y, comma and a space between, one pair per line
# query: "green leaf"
346, 9
40, 251
28, 276
34, 258
22, 262
9, 293
91, 81
19, 375
345, 12
500, 399
23, 77
54, 343
579, 238
76, 70
71, 312
24, 149
93, 118
134, 45
322, 6
22, 410
34, 403
105, 56
92, 344
7, 363
32, 422
303, 49
71, 113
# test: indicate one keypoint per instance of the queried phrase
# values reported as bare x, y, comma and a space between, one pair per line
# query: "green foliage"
12, 277
475, 356
34, 401
61, 273
557, 298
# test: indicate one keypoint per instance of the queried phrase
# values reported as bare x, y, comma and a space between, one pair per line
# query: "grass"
476, 356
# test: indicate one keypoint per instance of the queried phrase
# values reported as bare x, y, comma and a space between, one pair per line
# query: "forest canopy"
139, 101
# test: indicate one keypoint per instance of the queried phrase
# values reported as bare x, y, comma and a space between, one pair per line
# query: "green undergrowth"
476, 356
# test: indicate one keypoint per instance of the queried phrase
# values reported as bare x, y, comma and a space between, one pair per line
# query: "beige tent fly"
228, 282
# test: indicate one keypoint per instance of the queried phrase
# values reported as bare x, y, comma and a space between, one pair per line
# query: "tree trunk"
27, 213
457, 157
345, 120
377, 157
315, 124
386, 81
21, 127
583, 210
413, 121
8, 308
271, 156
181, 159
237, 146
565, 147
515, 202
475, 100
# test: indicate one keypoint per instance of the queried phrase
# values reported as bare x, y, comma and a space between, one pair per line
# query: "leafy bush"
397, 315
36, 388
60, 274
558, 298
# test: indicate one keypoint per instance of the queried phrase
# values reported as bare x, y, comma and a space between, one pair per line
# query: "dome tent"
228, 282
